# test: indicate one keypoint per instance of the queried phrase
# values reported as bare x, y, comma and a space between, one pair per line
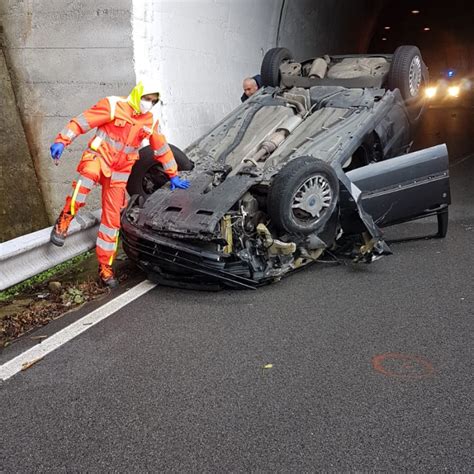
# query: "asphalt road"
371, 367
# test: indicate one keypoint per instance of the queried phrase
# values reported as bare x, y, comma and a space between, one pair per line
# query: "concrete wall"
22, 209
199, 52
66, 55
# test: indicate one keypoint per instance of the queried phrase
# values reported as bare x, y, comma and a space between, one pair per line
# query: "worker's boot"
59, 232
106, 275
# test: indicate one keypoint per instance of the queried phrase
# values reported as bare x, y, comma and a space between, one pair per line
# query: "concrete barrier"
31, 254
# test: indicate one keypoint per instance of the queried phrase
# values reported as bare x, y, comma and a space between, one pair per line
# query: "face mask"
145, 106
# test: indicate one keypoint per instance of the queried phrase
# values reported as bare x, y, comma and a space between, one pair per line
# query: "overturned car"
315, 162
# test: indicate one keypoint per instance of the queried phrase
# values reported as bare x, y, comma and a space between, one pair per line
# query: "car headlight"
430, 92
453, 91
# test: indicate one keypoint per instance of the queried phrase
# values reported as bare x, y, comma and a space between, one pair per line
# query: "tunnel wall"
66, 55
315, 27
199, 52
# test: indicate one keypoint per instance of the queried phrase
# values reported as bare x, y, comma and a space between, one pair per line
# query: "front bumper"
182, 264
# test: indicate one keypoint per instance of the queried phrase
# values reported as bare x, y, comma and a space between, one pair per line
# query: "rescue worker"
122, 124
250, 85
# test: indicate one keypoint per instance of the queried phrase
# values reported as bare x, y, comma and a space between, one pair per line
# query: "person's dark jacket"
258, 80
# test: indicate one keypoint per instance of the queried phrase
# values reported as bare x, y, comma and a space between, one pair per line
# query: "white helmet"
150, 87
141, 89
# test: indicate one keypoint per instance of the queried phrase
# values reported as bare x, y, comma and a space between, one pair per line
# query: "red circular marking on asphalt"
402, 366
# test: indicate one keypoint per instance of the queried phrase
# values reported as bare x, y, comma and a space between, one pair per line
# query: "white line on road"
29, 357
462, 159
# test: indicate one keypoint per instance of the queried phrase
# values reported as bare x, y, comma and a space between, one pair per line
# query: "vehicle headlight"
453, 91
430, 92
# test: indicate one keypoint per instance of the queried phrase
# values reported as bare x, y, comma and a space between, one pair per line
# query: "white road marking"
462, 159
12, 367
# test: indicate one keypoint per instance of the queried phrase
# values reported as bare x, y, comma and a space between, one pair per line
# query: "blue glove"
177, 182
56, 151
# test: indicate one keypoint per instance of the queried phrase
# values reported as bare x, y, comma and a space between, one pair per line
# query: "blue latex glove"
177, 182
56, 152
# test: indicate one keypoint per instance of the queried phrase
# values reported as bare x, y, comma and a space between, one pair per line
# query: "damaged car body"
317, 161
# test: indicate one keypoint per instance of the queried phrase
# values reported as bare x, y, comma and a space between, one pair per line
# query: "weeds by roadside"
52, 294
41, 310
10, 293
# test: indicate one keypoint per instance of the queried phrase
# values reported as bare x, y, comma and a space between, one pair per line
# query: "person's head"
147, 101
250, 86
143, 97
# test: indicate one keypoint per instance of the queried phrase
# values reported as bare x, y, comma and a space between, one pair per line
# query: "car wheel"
147, 174
408, 73
270, 70
303, 196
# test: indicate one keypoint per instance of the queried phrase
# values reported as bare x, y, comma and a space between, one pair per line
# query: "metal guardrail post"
31, 254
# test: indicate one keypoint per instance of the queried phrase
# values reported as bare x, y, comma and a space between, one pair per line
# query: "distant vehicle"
314, 163
452, 89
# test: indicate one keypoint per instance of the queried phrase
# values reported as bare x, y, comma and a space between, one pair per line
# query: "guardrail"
31, 254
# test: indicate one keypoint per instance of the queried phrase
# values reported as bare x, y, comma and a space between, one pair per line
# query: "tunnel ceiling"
442, 30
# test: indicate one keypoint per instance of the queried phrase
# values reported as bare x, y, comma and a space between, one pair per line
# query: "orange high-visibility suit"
109, 159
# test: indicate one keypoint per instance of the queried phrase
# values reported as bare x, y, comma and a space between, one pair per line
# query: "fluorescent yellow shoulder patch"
135, 96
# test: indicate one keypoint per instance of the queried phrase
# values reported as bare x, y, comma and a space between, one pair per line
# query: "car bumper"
182, 264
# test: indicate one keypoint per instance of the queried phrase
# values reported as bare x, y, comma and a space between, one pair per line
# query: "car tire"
303, 196
408, 73
270, 70
147, 174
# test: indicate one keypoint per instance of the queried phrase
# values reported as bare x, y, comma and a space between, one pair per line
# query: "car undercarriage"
294, 173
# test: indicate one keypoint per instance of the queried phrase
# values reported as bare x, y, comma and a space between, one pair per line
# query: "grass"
13, 291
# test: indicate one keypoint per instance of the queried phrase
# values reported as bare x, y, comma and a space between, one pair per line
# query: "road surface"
335, 368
